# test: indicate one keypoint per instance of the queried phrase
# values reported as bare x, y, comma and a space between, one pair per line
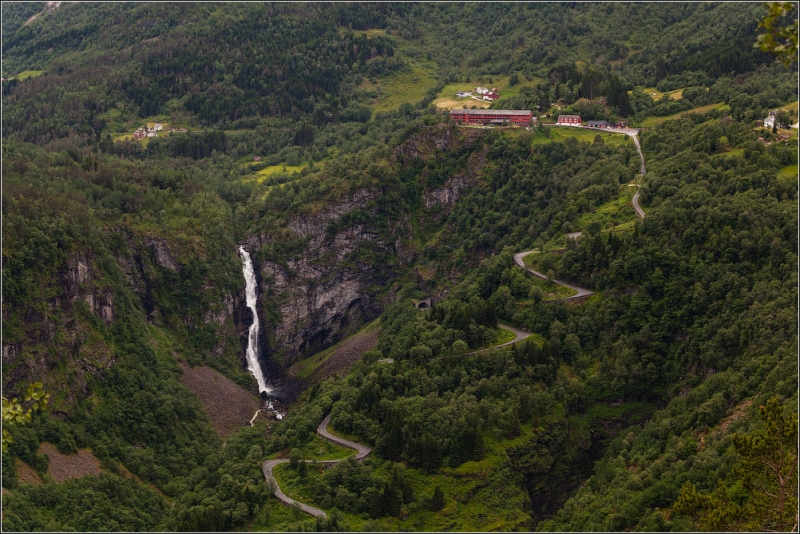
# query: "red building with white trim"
569, 119
497, 117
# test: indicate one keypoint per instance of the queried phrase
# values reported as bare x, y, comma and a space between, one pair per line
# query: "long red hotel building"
492, 116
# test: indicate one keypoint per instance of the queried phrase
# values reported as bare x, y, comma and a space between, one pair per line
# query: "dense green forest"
308, 133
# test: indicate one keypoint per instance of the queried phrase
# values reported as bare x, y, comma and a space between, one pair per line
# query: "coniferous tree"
437, 502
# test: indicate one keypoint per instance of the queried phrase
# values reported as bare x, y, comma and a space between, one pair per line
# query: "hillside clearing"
406, 86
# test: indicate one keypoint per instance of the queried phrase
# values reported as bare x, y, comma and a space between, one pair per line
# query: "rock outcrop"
318, 294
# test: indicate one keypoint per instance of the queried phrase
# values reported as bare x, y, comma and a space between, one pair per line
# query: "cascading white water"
253, 365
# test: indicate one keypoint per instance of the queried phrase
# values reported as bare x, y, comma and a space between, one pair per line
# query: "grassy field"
788, 173
653, 121
677, 94
729, 154
372, 32
406, 86
561, 133
318, 448
274, 170
28, 74
790, 107
452, 103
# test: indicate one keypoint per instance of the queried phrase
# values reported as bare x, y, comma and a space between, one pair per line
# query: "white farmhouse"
769, 122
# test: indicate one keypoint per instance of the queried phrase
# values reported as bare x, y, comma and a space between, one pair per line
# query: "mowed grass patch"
274, 170
653, 121
372, 32
790, 107
788, 175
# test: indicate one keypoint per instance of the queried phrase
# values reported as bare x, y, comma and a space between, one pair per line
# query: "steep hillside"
144, 143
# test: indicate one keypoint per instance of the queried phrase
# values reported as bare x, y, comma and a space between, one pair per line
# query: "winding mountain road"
362, 451
639, 210
633, 134
582, 292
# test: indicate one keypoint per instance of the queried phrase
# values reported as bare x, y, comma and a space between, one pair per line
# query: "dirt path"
362, 451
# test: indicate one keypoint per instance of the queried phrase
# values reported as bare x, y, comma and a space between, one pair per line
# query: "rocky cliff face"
59, 344
319, 295
453, 189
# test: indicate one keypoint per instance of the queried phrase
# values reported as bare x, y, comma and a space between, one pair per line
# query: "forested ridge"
661, 402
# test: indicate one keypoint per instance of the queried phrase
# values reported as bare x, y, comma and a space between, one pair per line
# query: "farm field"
652, 121
407, 86
675, 94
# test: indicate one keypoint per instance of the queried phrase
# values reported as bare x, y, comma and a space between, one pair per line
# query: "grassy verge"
550, 290
318, 448
503, 336
613, 213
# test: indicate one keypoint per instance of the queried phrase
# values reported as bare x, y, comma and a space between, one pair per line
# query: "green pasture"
25, 74
562, 133
406, 86
653, 121
676, 94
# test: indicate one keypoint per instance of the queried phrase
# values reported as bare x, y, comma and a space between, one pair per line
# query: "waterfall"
253, 365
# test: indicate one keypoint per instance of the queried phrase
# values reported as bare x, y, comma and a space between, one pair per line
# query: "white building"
769, 122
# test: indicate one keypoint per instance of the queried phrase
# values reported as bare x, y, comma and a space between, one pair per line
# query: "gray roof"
509, 112
570, 116
598, 122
